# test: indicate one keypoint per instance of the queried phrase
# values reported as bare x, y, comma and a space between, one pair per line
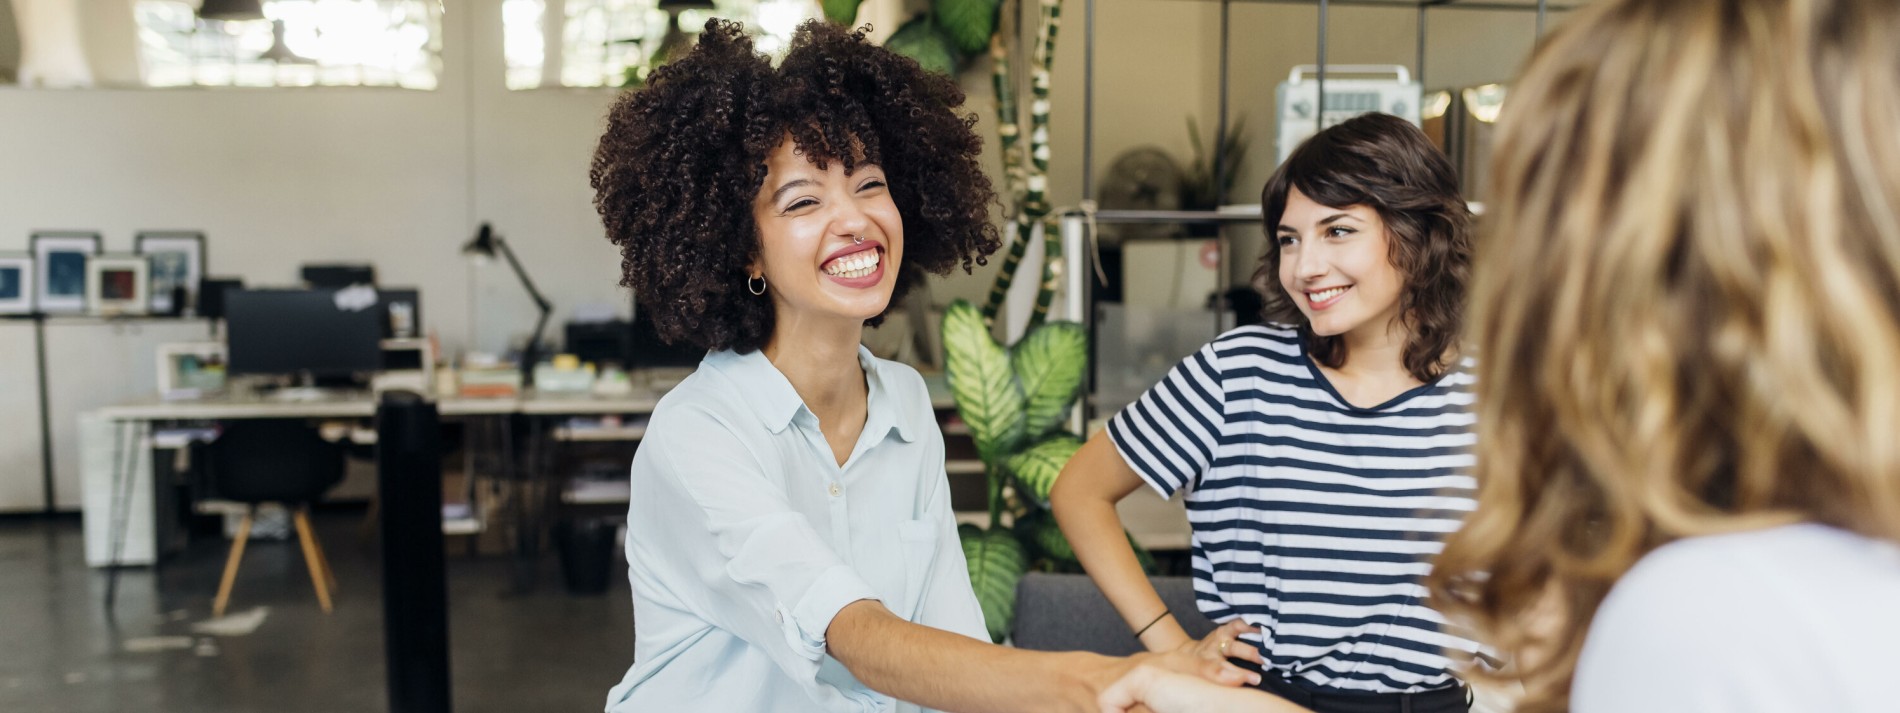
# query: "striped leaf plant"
1016, 401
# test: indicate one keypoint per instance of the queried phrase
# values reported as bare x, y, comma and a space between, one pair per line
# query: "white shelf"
597, 492
597, 435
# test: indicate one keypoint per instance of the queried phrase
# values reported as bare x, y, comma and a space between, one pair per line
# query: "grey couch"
1067, 612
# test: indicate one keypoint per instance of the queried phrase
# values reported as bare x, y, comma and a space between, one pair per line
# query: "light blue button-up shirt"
746, 537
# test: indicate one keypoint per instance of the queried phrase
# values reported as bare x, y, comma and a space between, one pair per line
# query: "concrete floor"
59, 651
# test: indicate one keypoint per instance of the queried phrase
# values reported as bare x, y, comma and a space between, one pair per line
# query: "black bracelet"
1144, 630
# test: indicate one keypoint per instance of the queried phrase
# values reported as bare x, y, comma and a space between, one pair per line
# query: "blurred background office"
228, 228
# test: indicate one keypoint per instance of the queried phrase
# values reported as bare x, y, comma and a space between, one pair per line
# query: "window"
611, 43
300, 43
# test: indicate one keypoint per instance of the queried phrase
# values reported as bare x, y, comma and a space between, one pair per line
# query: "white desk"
363, 405
116, 446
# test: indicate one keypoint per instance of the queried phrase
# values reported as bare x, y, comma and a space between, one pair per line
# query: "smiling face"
1336, 267
811, 221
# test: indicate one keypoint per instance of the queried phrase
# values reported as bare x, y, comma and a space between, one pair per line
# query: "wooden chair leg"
312, 559
231, 565
323, 558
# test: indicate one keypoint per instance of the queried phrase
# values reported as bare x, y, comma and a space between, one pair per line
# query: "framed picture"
115, 284
16, 284
59, 261
177, 260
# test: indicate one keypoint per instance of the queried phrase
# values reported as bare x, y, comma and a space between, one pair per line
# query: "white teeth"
1324, 295
854, 265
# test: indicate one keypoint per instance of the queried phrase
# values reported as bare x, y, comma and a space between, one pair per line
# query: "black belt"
1454, 699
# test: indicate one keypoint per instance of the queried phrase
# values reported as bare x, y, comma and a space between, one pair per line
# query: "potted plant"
1015, 401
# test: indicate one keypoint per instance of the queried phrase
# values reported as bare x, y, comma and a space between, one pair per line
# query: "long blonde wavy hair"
1684, 304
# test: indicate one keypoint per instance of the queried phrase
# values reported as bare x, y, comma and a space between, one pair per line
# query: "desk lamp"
484, 246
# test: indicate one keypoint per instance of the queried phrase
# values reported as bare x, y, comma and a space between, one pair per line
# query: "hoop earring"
761, 288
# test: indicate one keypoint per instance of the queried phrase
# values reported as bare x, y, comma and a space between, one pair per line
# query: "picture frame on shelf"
16, 284
60, 269
117, 285
177, 262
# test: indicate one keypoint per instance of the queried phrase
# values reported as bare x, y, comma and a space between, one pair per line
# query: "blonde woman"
1687, 310
1687, 317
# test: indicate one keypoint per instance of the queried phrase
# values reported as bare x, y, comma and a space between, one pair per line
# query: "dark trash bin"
587, 553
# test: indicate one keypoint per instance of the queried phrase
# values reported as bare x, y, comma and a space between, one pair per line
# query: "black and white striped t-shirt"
1313, 519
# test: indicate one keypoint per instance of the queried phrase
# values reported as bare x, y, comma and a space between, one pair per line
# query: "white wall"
277, 178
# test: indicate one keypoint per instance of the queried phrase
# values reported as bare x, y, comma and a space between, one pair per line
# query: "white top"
746, 537
1786, 620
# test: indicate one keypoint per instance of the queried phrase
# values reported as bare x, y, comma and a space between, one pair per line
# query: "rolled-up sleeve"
738, 554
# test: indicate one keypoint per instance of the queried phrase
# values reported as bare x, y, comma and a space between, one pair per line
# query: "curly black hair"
683, 158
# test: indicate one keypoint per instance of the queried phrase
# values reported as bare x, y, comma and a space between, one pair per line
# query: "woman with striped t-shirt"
1326, 454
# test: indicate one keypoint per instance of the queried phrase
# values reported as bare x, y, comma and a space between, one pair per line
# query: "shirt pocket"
917, 544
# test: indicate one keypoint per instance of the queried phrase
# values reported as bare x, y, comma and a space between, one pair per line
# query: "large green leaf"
922, 40
841, 12
988, 397
1051, 363
968, 22
997, 562
1037, 466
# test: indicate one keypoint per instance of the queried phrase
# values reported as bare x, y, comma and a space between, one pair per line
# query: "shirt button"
836, 490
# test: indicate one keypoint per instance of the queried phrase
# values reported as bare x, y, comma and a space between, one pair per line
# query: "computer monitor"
294, 332
602, 343
320, 277
211, 295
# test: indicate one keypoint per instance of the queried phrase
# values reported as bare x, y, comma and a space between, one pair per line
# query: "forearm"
941, 670
1094, 529
1084, 506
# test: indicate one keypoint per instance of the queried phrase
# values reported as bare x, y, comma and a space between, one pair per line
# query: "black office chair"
275, 461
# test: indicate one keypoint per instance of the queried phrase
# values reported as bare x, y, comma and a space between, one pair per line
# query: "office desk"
116, 444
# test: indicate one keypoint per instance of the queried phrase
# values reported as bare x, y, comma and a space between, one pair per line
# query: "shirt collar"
771, 396
886, 411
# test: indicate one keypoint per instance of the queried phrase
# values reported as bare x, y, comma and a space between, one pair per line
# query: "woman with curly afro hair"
790, 538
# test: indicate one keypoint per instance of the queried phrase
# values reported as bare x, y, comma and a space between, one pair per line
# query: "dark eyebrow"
1328, 220
800, 183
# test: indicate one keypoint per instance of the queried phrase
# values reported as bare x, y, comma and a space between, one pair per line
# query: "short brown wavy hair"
1385, 162
682, 159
